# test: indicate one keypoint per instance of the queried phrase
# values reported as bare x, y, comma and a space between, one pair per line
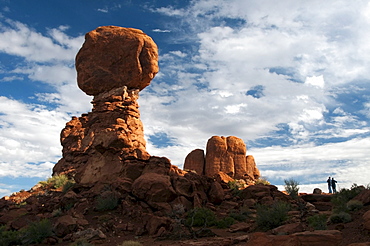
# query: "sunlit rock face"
113, 57
113, 65
226, 155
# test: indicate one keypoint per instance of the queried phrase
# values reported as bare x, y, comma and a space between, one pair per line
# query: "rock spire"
226, 155
113, 65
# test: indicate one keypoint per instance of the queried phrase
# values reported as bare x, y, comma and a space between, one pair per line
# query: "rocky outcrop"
95, 144
225, 155
366, 218
195, 161
322, 202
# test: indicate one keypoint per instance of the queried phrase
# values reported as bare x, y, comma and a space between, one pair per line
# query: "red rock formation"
195, 161
95, 144
225, 155
113, 64
112, 57
251, 168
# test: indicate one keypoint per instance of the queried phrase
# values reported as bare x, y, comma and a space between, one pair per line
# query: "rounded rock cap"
113, 57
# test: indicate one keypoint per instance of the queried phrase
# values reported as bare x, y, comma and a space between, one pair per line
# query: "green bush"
341, 217
272, 217
58, 181
262, 181
36, 232
107, 202
68, 185
225, 223
239, 216
291, 187
234, 187
200, 217
8, 237
354, 205
317, 222
131, 243
341, 198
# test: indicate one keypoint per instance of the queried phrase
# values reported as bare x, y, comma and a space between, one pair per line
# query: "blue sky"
291, 79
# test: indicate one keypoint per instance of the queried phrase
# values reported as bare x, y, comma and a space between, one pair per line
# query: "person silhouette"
333, 181
329, 184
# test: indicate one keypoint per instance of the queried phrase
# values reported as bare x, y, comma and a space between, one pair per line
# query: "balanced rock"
113, 57
114, 64
226, 156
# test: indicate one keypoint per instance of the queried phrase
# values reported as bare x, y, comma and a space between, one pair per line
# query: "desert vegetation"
59, 181
269, 217
292, 187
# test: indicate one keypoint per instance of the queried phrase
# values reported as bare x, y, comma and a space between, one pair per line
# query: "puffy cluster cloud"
29, 132
272, 76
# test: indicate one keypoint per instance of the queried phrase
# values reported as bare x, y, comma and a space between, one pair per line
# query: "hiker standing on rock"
329, 184
333, 181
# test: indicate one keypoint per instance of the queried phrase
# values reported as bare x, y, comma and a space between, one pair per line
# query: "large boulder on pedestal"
112, 57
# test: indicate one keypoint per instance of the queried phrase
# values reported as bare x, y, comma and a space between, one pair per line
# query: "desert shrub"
341, 217
8, 237
262, 181
340, 199
318, 221
354, 205
107, 202
36, 232
234, 187
225, 222
291, 187
131, 243
239, 215
57, 212
273, 216
200, 217
68, 185
58, 181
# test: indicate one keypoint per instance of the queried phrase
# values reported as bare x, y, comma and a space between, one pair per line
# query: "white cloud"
301, 55
30, 132
316, 81
18, 39
347, 161
107, 9
160, 30
104, 10
11, 78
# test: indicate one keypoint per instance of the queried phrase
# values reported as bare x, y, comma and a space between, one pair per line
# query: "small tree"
291, 186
